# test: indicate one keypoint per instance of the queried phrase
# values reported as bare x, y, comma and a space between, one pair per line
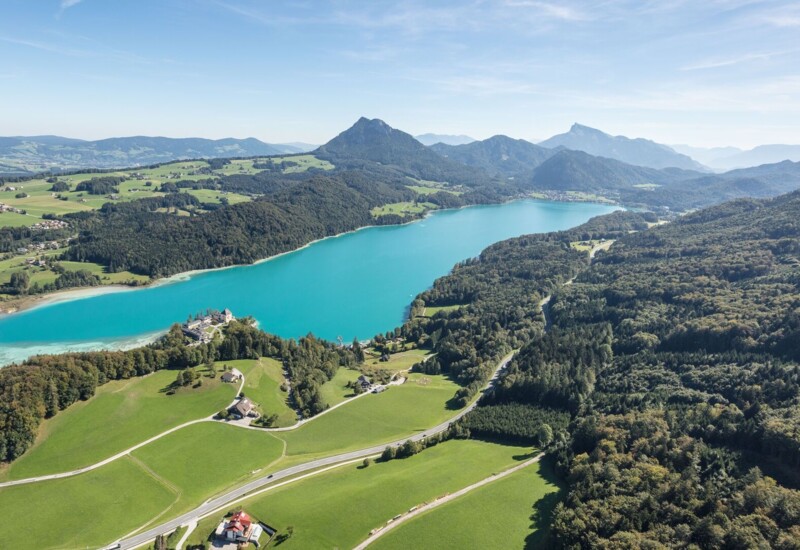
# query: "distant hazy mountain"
375, 141
763, 154
36, 153
768, 180
707, 156
295, 147
498, 155
447, 139
640, 152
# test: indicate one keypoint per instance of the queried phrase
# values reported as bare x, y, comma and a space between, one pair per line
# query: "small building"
233, 375
364, 382
244, 407
240, 528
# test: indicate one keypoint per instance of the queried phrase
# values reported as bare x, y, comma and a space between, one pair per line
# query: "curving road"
229, 498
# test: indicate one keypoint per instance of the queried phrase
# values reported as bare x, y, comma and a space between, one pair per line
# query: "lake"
352, 285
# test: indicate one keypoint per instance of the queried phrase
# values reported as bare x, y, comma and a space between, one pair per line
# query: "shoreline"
30, 303
26, 303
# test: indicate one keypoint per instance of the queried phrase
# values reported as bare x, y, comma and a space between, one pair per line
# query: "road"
229, 498
443, 500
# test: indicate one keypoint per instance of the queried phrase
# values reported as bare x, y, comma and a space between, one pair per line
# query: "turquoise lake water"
353, 285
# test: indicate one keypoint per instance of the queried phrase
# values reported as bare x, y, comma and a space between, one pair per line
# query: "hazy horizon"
724, 73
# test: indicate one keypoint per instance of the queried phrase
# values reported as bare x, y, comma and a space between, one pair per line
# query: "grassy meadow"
338, 508
400, 411
85, 511
512, 512
121, 414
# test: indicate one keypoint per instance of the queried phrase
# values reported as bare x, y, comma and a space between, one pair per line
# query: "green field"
304, 162
426, 187
402, 208
400, 411
263, 379
215, 197
335, 390
338, 508
194, 463
204, 459
87, 510
41, 200
400, 361
122, 414
430, 311
13, 219
510, 513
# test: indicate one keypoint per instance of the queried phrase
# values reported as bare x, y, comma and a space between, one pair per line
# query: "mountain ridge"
636, 151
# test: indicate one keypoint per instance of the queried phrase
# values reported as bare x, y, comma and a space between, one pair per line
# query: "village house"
233, 375
245, 408
239, 528
364, 382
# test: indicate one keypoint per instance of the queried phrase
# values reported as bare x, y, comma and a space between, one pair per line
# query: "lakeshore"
351, 285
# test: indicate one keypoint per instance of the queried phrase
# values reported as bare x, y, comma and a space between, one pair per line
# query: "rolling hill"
26, 155
498, 155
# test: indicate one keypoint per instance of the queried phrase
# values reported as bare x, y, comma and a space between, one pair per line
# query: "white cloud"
556, 11
66, 4
727, 62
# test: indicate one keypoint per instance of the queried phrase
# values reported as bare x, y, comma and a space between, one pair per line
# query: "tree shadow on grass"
542, 515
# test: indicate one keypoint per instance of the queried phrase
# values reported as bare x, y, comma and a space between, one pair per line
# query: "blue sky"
710, 72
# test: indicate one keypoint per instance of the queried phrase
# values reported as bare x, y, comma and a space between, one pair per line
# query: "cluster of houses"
40, 262
9, 208
50, 224
200, 328
241, 529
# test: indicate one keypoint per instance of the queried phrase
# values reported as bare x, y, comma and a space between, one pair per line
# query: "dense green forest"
675, 354
45, 384
499, 295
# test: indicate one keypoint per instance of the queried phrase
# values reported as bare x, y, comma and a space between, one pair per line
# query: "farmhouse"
233, 375
239, 528
244, 407
364, 382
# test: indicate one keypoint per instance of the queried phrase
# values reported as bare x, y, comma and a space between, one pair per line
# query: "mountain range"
639, 151
730, 158
27, 155
372, 140
522, 166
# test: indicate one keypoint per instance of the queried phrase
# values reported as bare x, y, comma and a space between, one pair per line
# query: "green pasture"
338, 508
122, 414
400, 411
512, 512
83, 511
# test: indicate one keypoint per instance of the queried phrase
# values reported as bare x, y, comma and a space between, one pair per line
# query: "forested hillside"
676, 353
498, 155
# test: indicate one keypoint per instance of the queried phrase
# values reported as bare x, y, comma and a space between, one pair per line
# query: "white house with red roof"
239, 528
